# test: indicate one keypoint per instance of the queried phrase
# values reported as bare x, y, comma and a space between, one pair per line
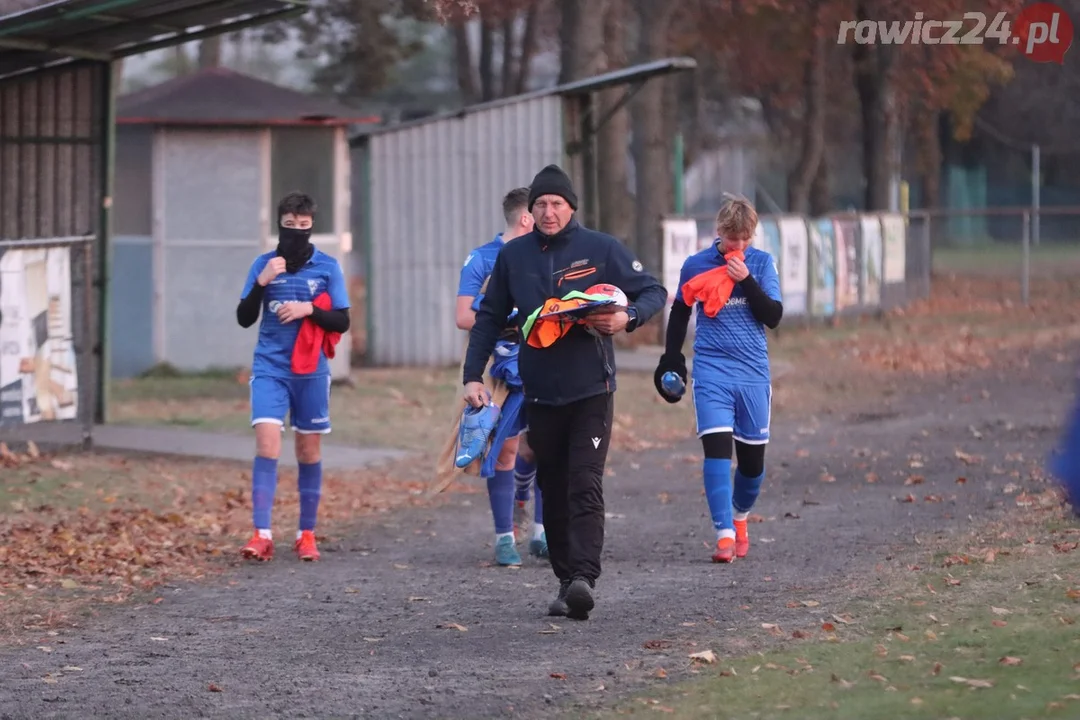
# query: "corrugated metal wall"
435, 192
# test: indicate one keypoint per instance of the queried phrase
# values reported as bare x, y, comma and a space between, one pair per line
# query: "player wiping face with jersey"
736, 289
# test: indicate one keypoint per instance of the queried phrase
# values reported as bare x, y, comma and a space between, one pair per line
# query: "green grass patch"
988, 636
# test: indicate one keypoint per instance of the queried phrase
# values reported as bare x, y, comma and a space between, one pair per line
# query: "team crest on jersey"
638, 267
313, 286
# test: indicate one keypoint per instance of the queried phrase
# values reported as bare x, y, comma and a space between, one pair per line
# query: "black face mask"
295, 246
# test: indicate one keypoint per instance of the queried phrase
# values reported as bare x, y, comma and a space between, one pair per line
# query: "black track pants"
571, 445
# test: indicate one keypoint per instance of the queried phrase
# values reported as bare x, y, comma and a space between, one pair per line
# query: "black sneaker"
579, 599
558, 607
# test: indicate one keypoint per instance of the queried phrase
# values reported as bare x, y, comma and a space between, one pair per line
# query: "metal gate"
53, 127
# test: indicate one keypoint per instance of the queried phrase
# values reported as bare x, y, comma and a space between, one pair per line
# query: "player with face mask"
300, 292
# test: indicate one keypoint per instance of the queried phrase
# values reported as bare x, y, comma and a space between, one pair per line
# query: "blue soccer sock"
263, 487
524, 474
309, 482
501, 495
746, 492
718, 493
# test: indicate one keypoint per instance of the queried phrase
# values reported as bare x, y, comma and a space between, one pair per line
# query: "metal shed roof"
68, 30
218, 96
625, 76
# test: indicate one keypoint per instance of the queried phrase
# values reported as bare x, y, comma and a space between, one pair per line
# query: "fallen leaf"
841, 681
72, 668
1073, 594
844, 619
907, 658
660, 673
972, 683
1000, 611
1009, 660
828, 627
800, 635
810, 603
214, 687
937, 669
915, 480
968, 459
876, 676
961, 480
558, 676
933, 499
656, 644
705, 656
452, 626
998, 623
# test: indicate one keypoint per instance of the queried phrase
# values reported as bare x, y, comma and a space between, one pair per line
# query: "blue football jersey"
274, 347
732, 347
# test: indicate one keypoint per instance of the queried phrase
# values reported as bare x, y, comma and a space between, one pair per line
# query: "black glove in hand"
673, 363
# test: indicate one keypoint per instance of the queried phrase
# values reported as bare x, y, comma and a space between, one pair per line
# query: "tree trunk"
930, 158
463, 61
581, 34
813, 123
487, 58
528, 48
820, 192
653, 149
873, 83
613, 143
507, 80
210, 52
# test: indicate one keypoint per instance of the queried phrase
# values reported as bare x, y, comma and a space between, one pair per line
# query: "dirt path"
358, 635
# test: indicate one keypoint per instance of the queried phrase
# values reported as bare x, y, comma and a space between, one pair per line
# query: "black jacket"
534, 268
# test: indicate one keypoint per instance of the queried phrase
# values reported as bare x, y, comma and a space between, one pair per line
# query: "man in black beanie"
569, 384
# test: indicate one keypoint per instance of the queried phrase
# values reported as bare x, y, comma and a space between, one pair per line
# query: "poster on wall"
870, 270
894, 247
822, 267
767, 238
845, 232
38, 374
792, 259
680, 242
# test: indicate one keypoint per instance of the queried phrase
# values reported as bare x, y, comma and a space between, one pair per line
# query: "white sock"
299, 533
721, 534
500, 536
741, 516
538, 530
266, 534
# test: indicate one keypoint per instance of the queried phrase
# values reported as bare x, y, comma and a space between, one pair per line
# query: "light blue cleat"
538, 546
476, 427
506, 552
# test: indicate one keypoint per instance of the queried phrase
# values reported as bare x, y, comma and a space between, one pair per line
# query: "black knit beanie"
552, 181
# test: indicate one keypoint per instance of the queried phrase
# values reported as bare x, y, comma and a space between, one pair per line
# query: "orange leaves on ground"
117, 525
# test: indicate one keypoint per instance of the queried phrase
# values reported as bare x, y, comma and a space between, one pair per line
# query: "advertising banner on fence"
822, 267
894, 247
870, 259
845, 232
767, 238
680, 242
793, 259
38, 378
